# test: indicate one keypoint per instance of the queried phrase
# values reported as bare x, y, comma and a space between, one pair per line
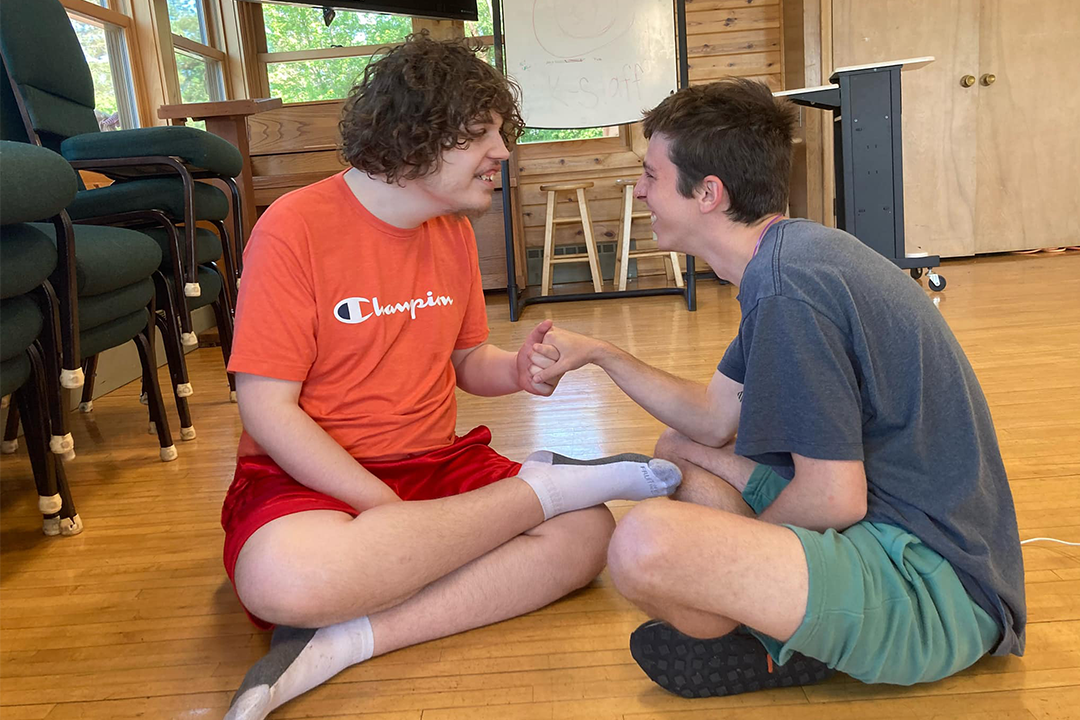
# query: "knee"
272, 597
640, 549
667, 446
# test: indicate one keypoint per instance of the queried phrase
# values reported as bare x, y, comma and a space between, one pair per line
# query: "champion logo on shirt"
355, 310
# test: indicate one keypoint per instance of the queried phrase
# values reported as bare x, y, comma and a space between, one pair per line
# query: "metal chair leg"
86, 402
11, 431
144, 341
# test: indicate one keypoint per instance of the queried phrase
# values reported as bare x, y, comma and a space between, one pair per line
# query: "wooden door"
1029, 126
939, 115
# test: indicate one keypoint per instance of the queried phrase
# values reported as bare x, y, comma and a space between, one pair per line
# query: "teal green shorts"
882, 606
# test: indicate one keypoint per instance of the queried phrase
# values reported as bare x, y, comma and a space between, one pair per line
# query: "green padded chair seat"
209, 283
20, 324
27, 258
14, 373
165, 194
96, 310
207, 245
111, 334
108, 258
35, 183
196, 148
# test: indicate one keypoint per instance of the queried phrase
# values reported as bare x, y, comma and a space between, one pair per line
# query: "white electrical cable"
1055, 540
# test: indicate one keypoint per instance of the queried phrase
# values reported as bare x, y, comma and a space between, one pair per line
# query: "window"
198, 59
104, 44
307, 60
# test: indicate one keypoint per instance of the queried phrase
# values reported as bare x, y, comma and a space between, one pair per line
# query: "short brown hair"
419, 99
736, 130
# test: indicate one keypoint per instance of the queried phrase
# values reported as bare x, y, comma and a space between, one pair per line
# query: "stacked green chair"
154, 169
27, 259
112, 271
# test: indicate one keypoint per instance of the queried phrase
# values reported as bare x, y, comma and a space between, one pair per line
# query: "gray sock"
299, 659
565, 484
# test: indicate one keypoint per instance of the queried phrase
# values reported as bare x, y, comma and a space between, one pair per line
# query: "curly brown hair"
736, 130
419, 99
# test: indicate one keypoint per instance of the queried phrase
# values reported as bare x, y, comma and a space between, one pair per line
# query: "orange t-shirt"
364, 314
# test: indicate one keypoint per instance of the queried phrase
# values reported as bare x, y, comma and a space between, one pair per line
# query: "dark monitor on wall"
436, 9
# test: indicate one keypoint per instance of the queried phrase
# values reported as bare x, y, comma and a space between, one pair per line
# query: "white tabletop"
909, 64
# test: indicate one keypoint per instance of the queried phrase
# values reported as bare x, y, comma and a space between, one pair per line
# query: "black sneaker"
728, 665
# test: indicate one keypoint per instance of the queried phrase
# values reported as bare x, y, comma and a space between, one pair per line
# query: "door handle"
988, 79
967, 81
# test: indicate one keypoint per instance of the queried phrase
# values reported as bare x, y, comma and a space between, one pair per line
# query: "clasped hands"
549, 353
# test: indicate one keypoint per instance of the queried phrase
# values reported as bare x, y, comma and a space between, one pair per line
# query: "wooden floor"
135, 618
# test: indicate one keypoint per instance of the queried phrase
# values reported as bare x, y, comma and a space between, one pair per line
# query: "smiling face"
465, 180
673, 215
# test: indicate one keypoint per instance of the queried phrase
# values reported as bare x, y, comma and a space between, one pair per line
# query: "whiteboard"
589, 63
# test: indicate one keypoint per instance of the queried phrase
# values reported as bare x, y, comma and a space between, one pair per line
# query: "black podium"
868, 149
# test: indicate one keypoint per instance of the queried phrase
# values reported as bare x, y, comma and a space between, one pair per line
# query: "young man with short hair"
844, 503
358, 522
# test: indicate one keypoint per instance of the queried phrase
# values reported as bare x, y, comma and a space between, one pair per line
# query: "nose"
499, 151
639, 188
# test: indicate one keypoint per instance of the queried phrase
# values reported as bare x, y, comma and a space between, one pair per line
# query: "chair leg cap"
192, 289
168, 454
61, 444
71, 526
184, 390
49, 504
62, 526
8, 447
86, 407
72, 379
68, 456
232, 396
189, 339
187, 433
144, 399
151, 429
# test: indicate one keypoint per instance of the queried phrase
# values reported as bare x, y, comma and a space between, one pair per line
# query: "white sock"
300, 659
564, 484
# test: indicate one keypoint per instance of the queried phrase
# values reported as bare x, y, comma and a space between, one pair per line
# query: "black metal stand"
515, 296
868, 150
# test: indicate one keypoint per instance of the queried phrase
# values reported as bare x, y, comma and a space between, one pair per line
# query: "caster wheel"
937, 282
916, 273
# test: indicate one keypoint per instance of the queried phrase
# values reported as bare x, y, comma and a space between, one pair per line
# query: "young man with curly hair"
358, 522
844, 503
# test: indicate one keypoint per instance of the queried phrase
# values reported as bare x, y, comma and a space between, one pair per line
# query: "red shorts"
261, 491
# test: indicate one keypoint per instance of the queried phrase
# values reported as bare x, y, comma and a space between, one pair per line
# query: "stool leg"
549, 243
626, 226
590, 244
675, 268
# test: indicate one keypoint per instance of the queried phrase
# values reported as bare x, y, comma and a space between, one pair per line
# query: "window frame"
217, 80
118, 15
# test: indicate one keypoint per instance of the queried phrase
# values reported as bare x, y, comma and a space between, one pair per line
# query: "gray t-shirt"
843, 357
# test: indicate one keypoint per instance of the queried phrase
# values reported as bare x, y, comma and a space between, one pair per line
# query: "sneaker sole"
729, 665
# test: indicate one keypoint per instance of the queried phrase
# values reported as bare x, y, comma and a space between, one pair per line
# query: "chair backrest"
48, 68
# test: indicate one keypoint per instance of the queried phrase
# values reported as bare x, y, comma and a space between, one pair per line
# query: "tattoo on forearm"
739, 395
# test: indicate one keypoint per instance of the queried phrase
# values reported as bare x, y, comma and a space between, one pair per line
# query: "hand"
534, 346
562, 352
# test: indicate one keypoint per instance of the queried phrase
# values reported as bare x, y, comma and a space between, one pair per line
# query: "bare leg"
318, 568
525, 573
713, 477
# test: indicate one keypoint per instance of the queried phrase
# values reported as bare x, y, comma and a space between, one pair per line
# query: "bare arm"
706, 414
271, 415
486, 370
823, 494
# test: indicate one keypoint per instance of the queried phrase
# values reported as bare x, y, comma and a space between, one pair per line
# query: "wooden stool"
585, 219
624, 254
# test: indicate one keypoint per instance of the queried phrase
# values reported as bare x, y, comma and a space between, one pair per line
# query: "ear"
711, 195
